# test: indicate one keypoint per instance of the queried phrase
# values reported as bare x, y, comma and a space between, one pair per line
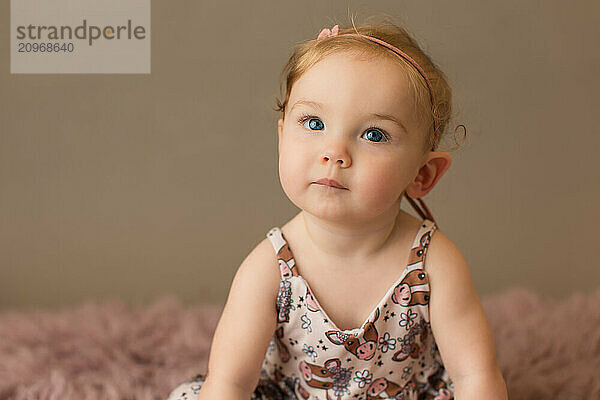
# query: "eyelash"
304, 117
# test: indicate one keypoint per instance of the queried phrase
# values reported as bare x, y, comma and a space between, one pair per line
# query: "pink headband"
325, 33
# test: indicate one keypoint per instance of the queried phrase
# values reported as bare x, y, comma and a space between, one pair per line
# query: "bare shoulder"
258, 275
440, 248
260, 267
448, 270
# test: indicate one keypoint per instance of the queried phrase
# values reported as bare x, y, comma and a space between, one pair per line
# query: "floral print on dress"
407, 319
310, 351
363, 378
330, 377
284, 301
306, 323
386, 343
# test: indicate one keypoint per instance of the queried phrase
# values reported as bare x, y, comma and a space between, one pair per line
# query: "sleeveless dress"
393, 355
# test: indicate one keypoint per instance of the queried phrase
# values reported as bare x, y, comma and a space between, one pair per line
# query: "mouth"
330, 182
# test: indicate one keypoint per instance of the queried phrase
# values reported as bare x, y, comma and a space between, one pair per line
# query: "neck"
348, 243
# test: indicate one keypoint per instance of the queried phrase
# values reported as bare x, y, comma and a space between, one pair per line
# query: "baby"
353, 298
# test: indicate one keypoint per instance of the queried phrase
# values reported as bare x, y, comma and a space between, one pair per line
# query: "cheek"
381, 183
292, 167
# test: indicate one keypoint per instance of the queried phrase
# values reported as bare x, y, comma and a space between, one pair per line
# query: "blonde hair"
307, 54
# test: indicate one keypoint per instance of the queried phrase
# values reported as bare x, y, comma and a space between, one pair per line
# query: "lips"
330, 182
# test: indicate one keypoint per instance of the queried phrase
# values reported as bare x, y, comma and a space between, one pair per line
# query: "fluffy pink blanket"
546, 349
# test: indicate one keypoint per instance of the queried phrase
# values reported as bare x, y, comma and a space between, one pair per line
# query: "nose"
338, 155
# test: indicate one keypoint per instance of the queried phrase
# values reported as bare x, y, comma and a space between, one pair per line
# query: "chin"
326, 211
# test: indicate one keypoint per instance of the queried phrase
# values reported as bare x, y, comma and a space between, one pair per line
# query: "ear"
279, 132
436, 165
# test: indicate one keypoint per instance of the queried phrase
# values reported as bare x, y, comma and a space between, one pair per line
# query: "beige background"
136, 186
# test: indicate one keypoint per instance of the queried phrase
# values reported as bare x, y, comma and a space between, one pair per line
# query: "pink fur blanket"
546, 349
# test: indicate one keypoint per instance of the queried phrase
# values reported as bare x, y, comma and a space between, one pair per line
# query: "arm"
245, 328
460, 326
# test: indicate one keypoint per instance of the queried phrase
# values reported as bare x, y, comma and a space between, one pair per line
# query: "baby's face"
373, 158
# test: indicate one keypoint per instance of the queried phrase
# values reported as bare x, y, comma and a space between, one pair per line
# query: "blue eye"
313, 123
375, 134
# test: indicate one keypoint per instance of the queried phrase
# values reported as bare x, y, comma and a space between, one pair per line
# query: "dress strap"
421, 244
424, 214
285, 258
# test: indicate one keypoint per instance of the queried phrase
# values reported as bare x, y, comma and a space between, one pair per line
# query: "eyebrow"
387, 117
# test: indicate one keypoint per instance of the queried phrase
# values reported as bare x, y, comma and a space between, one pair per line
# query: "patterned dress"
393, 355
